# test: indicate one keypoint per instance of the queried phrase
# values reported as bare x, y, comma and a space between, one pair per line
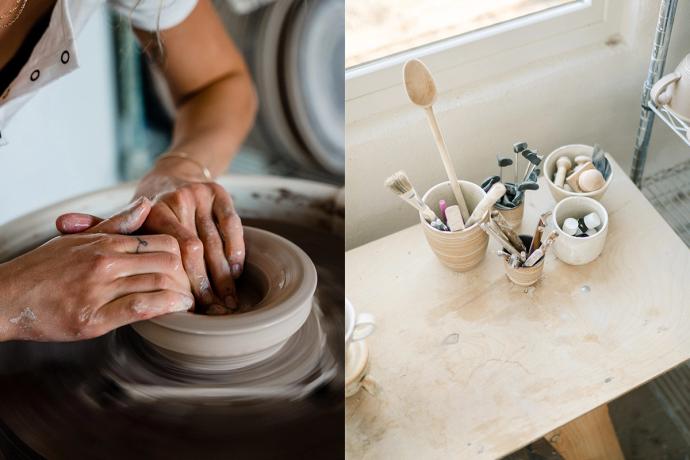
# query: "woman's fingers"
230, 227
150, 282
142, 305
136, 244
216, 262
192, 250
127, 221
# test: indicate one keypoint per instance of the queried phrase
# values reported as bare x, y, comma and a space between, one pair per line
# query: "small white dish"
575, 250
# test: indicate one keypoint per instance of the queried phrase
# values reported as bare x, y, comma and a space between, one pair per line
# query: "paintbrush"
400, 184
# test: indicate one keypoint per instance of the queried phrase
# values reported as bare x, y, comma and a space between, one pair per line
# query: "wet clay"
47, 405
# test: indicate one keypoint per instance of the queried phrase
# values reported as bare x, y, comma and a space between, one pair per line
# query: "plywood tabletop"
525, 360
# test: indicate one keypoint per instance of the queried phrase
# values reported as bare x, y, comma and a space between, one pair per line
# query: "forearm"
212, 123
6, 303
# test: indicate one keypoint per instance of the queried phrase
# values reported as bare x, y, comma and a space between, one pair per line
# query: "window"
379, 28
465, 52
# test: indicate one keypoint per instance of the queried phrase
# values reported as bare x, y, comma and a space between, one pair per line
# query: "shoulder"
154, 15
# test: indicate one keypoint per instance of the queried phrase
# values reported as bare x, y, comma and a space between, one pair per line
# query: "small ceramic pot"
281, 280
525, 276
571, 151
460, 251
358, 326
513, 216
575, 250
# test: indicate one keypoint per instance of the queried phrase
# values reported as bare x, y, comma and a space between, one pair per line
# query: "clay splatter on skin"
24, 319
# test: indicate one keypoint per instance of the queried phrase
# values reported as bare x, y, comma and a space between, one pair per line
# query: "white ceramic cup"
673, 90
357, 326
575, 250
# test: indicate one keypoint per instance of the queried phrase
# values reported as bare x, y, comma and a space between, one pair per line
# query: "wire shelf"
669, 192
677, 125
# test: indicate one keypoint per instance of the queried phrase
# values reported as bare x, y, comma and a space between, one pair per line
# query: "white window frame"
376, 87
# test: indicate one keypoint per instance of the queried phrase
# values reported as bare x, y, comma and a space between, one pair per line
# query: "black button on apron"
35, 74
64, 58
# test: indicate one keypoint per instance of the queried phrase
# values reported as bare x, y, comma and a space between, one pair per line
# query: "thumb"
125, 222
75, 222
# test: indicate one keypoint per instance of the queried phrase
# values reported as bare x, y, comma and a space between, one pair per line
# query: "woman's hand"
84, 285
202, 218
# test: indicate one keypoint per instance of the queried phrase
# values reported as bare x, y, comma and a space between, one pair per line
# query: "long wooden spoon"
421, 90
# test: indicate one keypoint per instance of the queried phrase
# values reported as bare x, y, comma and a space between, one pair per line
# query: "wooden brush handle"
445, 157
492, 196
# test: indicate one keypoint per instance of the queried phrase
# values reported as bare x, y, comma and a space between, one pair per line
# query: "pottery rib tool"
574, 176
421, 90
513, 237
400, 184
492, 196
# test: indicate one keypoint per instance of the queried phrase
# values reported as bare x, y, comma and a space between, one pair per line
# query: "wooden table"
526, 360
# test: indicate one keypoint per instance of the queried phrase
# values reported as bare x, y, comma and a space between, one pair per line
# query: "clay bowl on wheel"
275, 293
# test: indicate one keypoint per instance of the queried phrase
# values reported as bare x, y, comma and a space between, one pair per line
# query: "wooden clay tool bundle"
519, 252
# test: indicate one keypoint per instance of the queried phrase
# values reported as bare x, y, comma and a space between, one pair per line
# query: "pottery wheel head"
275, 293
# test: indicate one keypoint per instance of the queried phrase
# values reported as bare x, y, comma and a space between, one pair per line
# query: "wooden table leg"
589, 437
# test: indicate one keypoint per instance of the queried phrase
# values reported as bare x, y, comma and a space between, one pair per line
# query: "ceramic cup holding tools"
571, 151
673, 90
524, 276
462, 250
357, 328
575, 250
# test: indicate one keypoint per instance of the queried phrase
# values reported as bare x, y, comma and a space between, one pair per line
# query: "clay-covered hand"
202, 217
83, 285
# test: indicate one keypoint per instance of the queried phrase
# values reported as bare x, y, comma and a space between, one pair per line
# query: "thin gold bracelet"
185, 156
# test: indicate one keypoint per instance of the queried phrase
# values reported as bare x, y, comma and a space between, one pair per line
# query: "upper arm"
195, 53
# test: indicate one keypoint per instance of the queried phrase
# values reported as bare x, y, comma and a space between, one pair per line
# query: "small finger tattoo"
141, 243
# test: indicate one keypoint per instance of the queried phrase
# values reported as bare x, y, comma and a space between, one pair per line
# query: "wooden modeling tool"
536, 238
400, 184
574, 176
421, 90
454, 218
492, 196
537, 255
563, 165
513, 237
500, 237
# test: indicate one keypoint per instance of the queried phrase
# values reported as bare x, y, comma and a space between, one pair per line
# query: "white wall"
588, 96
62, 143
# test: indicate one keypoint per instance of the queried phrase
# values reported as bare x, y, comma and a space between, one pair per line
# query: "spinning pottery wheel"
127, 394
